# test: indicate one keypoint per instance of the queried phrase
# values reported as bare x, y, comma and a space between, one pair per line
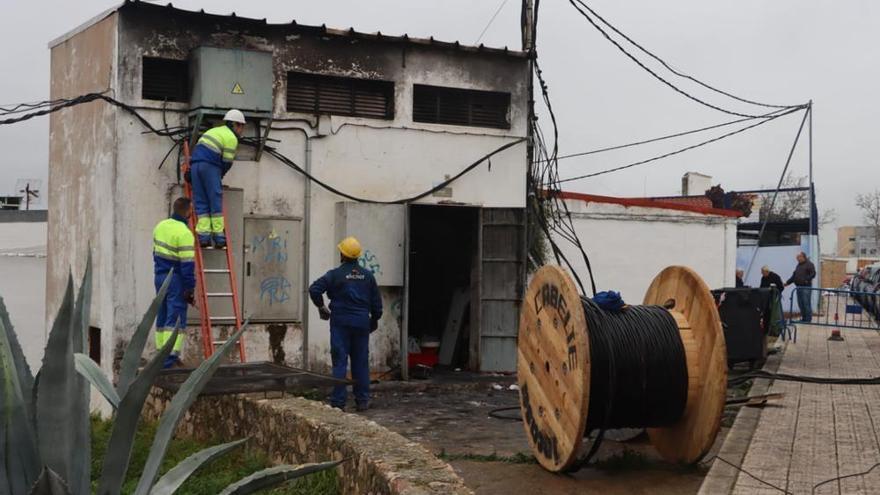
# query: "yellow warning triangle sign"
236, 89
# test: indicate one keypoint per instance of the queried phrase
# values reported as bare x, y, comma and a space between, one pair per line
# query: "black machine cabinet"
745, 314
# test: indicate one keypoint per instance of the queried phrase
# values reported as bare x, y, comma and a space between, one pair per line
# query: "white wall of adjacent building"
23, 281
629, 245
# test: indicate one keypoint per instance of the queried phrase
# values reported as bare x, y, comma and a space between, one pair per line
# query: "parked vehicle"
866, 284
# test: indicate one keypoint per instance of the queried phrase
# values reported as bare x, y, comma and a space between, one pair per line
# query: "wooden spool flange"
553, 366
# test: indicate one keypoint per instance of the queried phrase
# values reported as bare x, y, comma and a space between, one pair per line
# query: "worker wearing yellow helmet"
354, 313
211, 160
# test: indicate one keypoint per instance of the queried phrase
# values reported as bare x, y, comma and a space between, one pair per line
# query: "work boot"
337, 406
219, 243
204, 242
362, 406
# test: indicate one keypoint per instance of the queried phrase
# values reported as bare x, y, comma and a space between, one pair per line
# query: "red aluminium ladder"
202, 294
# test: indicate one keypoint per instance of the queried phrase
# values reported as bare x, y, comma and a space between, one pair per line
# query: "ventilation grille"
436, 105
316, 94
165, 79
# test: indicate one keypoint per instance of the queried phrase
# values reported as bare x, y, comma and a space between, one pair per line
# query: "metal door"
499, 279
273, 258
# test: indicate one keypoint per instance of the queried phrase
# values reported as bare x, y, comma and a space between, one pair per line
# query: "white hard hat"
234, 116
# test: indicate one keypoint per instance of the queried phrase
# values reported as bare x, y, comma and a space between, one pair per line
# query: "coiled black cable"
638, 370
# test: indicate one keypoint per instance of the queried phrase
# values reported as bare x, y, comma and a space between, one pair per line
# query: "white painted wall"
23, 284
629, 246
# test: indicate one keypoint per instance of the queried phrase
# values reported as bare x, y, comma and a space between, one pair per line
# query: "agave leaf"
184, 397
49, 483
80, 464
25, 378
171, 481
90, 370
4, 443
132, 357
125, 425
83, 307
18, 444
273, 476
57, 394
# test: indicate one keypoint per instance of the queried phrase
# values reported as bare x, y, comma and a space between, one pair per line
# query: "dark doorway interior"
442, 255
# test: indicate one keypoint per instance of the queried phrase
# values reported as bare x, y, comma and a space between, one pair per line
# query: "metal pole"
528, 45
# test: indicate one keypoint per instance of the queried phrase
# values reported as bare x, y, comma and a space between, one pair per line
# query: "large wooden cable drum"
554, 366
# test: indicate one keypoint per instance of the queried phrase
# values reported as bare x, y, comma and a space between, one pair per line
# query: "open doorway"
442, 256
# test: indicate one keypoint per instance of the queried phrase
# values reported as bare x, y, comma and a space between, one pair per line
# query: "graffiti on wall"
369, 261
271, 256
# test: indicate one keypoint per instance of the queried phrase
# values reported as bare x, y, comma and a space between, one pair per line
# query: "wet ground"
493, 456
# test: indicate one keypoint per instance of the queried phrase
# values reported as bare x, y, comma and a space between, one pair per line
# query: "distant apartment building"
857, 241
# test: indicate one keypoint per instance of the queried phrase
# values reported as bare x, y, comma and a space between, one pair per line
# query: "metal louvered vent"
165, 79
332, 95
437, 105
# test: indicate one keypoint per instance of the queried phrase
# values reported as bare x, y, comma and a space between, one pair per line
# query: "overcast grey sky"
781, 51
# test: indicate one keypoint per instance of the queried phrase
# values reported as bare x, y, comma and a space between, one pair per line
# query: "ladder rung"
219, 294
222, 317
220, 342
216, 270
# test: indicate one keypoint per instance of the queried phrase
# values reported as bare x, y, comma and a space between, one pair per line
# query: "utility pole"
527, 27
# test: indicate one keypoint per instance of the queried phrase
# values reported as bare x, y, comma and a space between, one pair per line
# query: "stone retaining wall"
294, 430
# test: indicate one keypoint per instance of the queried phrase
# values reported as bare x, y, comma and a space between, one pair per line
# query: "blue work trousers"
207, 187
172, 313
350, 342
804, 299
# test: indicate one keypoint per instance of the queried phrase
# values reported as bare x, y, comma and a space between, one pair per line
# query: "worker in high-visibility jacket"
354, 313
211, 160
173, 251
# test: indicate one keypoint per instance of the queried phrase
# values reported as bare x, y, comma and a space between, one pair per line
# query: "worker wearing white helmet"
211, 159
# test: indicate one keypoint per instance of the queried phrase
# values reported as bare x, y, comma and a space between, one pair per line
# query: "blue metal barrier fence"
838, 308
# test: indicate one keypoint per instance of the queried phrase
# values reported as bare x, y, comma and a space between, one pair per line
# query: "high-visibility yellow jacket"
174, 248
217, 146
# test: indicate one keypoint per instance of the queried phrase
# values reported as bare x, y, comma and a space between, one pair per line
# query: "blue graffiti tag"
276, 248
277, 288
369, 261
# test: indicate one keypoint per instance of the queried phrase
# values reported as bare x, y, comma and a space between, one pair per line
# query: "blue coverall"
355, 309
211, 159
173, 248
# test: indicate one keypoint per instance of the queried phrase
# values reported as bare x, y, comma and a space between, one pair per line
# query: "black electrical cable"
672, 69
657, 139
649, 70
817, 380
290, 163
763, 121
638, 368
179, 135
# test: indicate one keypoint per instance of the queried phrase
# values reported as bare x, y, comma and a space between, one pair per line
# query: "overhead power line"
672, 69
589, 18
662, 138
687, 148
491, 20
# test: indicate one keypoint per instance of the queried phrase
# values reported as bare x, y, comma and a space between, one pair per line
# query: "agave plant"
44, 420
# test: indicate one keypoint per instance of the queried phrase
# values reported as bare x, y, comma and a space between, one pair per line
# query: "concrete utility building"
375, 116
630, 240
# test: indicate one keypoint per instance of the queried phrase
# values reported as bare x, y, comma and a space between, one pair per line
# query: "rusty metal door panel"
273, 258
501, 286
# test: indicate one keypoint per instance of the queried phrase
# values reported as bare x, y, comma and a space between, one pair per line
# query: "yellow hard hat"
350, 247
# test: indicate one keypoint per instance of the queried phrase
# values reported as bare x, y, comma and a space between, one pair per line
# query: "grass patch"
518, 458
211, 478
